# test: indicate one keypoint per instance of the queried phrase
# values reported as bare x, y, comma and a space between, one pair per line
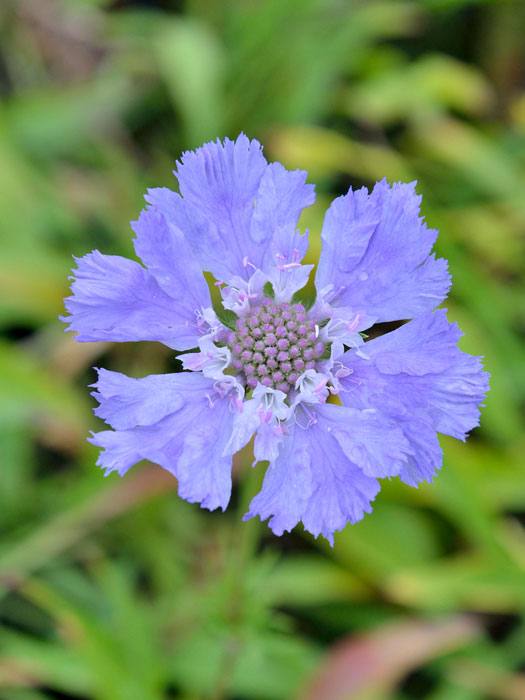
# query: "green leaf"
305, 296
268, 290
190, 60
226, 317
263, 664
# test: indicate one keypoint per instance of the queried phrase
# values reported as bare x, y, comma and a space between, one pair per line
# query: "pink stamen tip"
320, 387
288, 266
343, 372
352, 325
265, 416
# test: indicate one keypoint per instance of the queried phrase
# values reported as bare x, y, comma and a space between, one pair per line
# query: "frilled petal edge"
236, 211
169, 258
177, 421
116, 299
314, 482
418, 377
376, 254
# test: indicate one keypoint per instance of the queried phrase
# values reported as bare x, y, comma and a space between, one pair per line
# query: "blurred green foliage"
117, 590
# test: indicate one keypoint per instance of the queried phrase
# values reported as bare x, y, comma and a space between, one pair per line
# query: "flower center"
274, 344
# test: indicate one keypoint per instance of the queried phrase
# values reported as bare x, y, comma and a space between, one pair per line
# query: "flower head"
268, 369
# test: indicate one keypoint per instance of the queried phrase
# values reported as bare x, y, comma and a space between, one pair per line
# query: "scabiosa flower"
265, 365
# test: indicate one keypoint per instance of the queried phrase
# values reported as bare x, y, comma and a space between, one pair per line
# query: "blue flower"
271, 373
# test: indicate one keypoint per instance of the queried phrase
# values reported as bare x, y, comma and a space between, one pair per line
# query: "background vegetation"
115, 589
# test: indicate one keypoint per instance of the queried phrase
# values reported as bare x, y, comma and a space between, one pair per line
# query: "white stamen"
312, 387
211, 361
